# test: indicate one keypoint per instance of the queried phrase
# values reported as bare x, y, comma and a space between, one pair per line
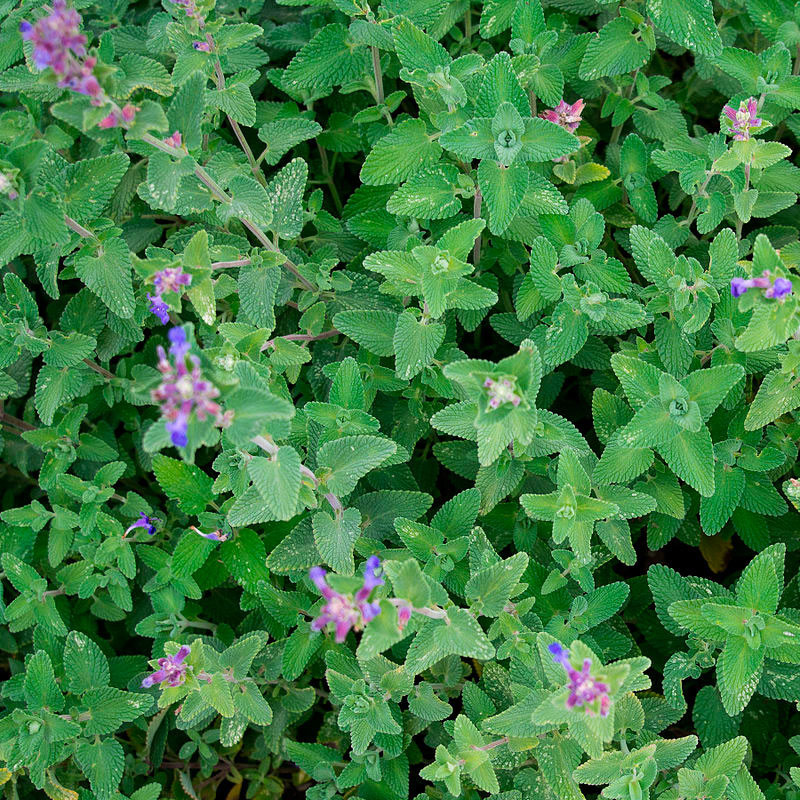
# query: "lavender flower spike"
344, 611
184, 391
171, 669
585, 691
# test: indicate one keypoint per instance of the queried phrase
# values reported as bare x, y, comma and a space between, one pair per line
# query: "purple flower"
214, 536
171, 279
190, 7
739, 286
501, 392
780, 288
344, 611
743, 118
57, 39
143, 522
171, 669
159, 308
183, 390
565, 115
584, 690
203, 47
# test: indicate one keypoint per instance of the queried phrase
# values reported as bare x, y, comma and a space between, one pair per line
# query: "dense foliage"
400, 400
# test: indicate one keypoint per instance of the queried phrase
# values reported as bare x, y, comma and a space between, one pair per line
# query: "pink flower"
565, 115
584, 690
743, 118
344, 611
171, 669
57, 38
501, 392
176, 140
184, 391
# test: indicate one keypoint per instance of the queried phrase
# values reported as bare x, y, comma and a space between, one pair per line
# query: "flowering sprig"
777, 289
743, 119
183, 390
345, 611
171, 279
584, 691
59, 44
564, 115
171, 669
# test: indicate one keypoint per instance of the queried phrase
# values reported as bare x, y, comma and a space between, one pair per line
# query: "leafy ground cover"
400, 400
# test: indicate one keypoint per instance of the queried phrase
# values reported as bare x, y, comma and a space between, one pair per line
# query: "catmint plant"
400, 400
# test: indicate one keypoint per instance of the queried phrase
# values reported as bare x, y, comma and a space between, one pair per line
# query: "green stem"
78, 228
220, 195
376, 71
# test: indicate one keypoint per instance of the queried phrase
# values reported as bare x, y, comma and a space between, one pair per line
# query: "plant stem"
302, 337
328, 177
376, 71
99, 370
255, 169
78, 228
476, 212
242, 262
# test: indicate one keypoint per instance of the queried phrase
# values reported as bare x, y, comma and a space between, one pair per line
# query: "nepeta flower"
159, 308
176, 140
191, 9
171, 669
143, 522
565, 115
7, 188
584, 690
501, 392
117, 117
404, 612
778, 289
214, 536
203, 47
345, 611
171, 279
57, 39
743, 118
781, 288
183, 390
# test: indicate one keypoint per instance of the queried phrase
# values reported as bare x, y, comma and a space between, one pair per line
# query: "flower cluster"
777, 289
171, 279
584, 690
58, 43
7, 188
565, 115
192, 11
501, 392
743, 118
347, 611
175, 140
171, 669
183, 390
119, 116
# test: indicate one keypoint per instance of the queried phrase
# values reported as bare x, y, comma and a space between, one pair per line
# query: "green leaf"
717, 509
343, 462
738, 672
217, 693
250, 201
85, 666
286, 190
427, 195
183, 482
489, 589
689, 23
278, 481
690, 455
87, 185
397, 156
56, 386
335, 537
436, 640
373, 330
282, 135
503, 189
102, 762
614, 51
105, 267
415, 344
